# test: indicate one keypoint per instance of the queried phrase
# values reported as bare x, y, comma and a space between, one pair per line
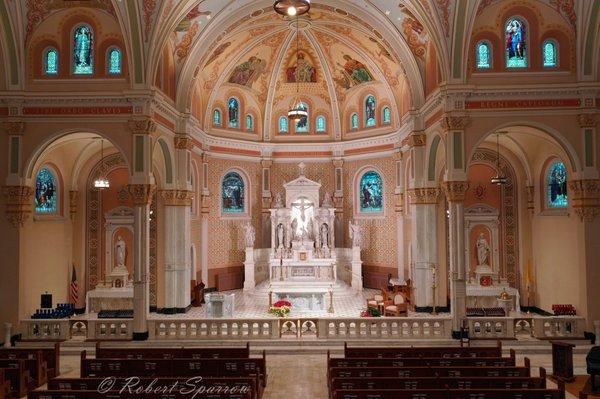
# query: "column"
141, 195
265, 216
338, 202
177, 205
399, 211
204, 214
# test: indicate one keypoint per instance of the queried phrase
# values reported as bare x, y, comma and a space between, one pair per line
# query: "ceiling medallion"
291, 8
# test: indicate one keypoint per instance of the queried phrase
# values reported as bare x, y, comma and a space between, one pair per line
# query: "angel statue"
355, 234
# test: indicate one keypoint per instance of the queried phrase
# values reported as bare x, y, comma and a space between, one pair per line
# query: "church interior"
333, 184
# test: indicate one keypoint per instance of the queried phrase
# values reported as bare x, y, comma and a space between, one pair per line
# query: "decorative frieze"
73, 196
177, 197
455, 191
141, 194
425, 195
587, 120
142, 126
415, 139
454, 122
18, 204
183, 142
14, 127
585, 198
399, 205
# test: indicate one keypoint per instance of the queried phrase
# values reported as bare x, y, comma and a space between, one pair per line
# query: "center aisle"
296, 376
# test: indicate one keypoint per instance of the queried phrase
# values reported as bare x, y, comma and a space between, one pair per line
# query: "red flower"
281, 303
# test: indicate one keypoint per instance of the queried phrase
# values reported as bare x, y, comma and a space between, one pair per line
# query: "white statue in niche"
120, 251
355, 234
280, 235
294, 229
483, 250
324, 234
249, 235
278, 200
327, 201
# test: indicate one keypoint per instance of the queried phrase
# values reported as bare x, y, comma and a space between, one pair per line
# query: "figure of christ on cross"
302, 204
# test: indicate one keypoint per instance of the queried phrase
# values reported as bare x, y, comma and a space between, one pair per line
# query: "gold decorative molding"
424, 195
587, 120
449, 122
177, 197
183, 142
14, 127
585, 198
415, 139
141, 194
456, 191
18, 204
530, 190
73, 196
142, 126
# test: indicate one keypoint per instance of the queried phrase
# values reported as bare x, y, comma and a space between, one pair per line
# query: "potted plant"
281, 308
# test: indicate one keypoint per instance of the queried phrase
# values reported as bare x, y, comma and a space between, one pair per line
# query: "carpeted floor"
581, 383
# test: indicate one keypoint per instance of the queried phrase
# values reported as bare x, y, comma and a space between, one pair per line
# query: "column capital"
452, 122
585, 198
142, 126
415, 139
338, 163
14, 127
266, 163
399, 205
423, 195
18, 204
183, 142
455, 191
587, 120
177, 197
141, 194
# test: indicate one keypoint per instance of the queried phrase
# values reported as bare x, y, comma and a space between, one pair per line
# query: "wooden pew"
16, 373
459, 371
34, 361
175, 367
4, 386
450, 394
51, 356
448, 351
133, 395
172, 353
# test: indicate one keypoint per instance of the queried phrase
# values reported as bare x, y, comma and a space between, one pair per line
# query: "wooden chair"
378, 301
397, 307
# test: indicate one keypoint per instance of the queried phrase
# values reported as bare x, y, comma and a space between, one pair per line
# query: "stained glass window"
387, 116
83, 50
483, 55
46, 200
302, 124
516, 43
233, 193
114, 61
217, 117
354, 121
556, 182
51, 62
549, 53
371, 192
283, 125
233, 112
370, 111
321, 125
249, 123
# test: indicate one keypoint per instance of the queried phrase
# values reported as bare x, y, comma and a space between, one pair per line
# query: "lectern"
562, 361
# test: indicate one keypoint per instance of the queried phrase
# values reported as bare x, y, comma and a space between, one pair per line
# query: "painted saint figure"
355, 71
247, 72
83, 50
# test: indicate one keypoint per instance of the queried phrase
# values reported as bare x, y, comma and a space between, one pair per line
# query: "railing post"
7, 335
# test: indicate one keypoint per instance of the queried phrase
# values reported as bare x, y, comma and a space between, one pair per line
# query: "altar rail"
335, 328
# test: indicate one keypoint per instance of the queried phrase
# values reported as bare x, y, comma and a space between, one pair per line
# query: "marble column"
7, 335
177, 248
338, 202
266, 196
423, 202
204, 215
141, 195
455, 194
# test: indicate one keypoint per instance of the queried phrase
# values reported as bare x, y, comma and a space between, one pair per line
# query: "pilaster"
18, 204
585, 198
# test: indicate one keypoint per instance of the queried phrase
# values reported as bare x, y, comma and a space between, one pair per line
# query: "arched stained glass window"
371, 192
387, 116
516, 43
114, 61
321, 124
283, 125
51, 62
302, 126
83, 50
484, 55
233, 113
249, 123
217, 117
549, 54
370, 111
46, 194
556, 186
233, 193
354, 122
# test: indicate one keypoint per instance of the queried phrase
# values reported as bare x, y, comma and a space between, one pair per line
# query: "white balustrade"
559, 327
110, 329
217, 329
45, 330
491, 327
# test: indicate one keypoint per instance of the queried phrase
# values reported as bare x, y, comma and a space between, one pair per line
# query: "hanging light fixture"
499, 179
101, 182
291, 8
298, 111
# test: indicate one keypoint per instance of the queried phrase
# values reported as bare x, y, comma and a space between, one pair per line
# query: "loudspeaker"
46, 301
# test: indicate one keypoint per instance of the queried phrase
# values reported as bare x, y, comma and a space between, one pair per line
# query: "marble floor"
303, 376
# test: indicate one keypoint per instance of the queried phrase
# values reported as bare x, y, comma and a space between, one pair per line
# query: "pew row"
51, 355
415, 352
16, 374
451, 394
171, 353
135, 395
4, 386
461, 371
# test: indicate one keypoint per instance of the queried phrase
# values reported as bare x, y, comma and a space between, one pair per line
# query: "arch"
433, 150
516, 32
321, 124
168, 160
550, 58
233, 113
554, 182
50, 61
483, 54
303, 125
235, 194
217, 117
114, 61
82, 54
561, 141
354, 121
386, 115
249, 123
283, 125
369, 192
195, 184
48, 188
370, 113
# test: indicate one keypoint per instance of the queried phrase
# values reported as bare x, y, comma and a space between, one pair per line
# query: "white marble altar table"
108, 299
480, 296
303, 299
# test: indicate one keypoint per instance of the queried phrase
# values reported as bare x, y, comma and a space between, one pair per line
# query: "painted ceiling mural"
565, 7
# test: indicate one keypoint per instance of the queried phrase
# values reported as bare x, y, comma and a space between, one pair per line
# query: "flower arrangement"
281, 308
370, 312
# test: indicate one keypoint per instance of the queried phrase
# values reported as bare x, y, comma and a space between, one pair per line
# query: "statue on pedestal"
120, 251
355, 234
280, 236
483, 250
279, 200
249, 235
327, 201
324, 235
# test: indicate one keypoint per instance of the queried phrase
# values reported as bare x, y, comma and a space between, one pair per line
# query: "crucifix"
303, 204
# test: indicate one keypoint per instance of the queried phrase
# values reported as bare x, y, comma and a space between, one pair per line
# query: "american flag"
74, 288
